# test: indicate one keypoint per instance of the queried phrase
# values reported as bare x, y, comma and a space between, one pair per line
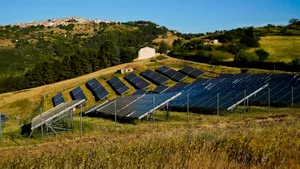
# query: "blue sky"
191, 16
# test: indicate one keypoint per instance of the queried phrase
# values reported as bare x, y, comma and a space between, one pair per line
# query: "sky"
190, 16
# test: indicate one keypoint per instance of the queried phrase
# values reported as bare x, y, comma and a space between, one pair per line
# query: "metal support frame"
269, 99
115, 107
292, 99
154, 115
218, 95
244, 102
66, 120
187, 109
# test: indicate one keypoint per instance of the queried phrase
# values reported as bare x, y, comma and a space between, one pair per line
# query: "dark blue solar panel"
97, 89
154, 77
139, 92
163, 69
177, 87
136, 81
136, 106
191, 72
58, 99
160, 89
118, 86
172, 74
77, 94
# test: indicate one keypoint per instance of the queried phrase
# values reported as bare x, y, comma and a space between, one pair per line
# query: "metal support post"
42, 128
81, 121
167, 110
244, 102
292, 99
269, 101
217, 104
187, 109
115, 106
154, 116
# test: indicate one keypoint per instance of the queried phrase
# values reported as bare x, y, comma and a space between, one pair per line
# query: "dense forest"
41, 55
49, 59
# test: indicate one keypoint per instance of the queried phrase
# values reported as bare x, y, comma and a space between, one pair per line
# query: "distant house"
146, 53
126, 70
211, 42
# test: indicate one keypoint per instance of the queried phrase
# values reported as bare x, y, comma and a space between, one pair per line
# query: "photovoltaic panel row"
231, 92
118, 85
77, 94
139, 92
191, 72
58, 99
154, 77
97, 89
136, 81
177, 87
160, 89
137, 106
172, 74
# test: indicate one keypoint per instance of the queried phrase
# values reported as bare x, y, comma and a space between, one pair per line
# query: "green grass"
256, 140
281, 48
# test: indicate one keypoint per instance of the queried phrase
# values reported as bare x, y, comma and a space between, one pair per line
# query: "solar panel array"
178, 86
118, 85
77, 94
191, 72
136, 81
58, 99
97, 89
154, 77
137, 106
160, 89
172, 74
203, 94
139, 92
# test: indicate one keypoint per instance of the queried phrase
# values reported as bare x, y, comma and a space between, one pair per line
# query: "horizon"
187, 17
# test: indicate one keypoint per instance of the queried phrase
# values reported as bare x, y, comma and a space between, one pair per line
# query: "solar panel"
160, 89
139, 92
170, 73
118, 86
54, 113
136, 81
154, 77
136, 106
177, 87
58, 99
97, 89
191, 72
77, 94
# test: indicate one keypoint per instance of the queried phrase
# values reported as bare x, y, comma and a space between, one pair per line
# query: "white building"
146, 53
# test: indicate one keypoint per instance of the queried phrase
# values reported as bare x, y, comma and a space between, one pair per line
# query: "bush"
262, 54
245, 57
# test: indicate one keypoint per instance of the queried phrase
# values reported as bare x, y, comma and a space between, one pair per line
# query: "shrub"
245, 57
262, 54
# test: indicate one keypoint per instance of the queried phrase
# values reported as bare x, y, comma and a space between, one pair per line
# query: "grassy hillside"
281, 48
257, 140
231, 140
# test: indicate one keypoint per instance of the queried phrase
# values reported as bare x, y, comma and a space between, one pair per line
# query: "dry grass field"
281, 48
232, 140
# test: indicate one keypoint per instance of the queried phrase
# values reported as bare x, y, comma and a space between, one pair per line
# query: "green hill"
281, 48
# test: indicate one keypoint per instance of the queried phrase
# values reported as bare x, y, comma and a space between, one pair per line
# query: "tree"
245, 57
249, 39
262, 54
163, 47
127, 54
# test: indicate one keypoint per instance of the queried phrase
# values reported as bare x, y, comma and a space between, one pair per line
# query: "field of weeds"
256, 140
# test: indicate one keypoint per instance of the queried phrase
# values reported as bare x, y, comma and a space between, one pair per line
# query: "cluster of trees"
72, 56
